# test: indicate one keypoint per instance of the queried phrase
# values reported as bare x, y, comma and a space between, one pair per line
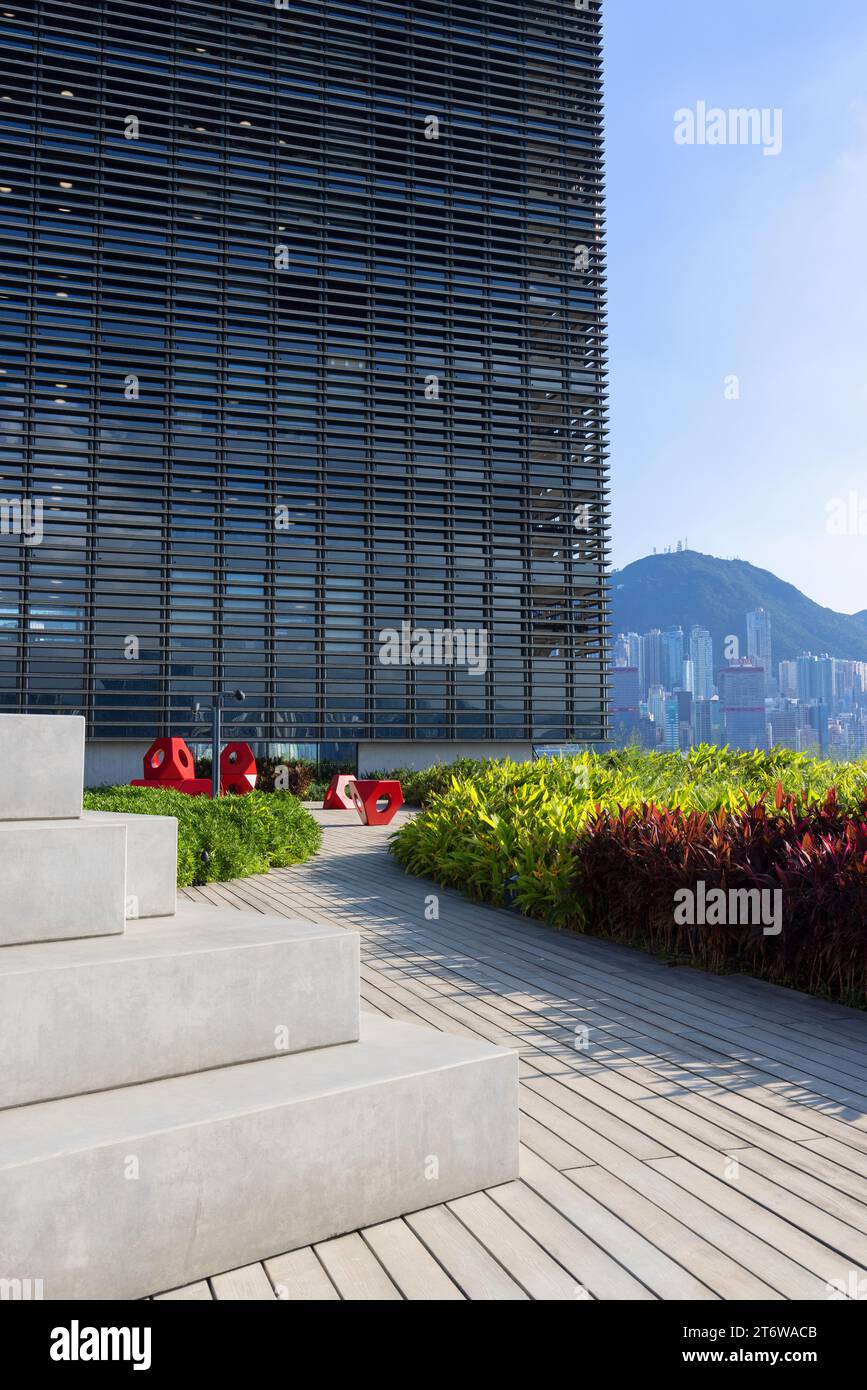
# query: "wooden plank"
354, 1270
828, 1192
190, 1293
663, 1275
409, 1264
463, 1258
803, 1249
592, 1268
841, 1153
700, 1256
250, 1282
525, 1260
549, 1145
298, 1277
756, 1255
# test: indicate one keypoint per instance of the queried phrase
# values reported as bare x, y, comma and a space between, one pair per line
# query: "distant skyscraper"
624, 704
685, 718
708, 722
688, 678
815, 678
620, 651
656, 704
672, 645
759, 642
786, 725
788, 671
627, 649
623, 682
701, 656
742, 695
671, 735
651, 665
633, 643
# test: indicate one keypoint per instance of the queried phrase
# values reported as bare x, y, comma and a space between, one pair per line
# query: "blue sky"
726, 262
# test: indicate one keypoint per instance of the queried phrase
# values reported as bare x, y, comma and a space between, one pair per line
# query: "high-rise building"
672, 671
624, 689
701, 656
685, 718
625, 712
626, 649
651, 664
815, 678
742, 696
304, 320
671, 734
708, 722
788, 676
759, 643
785, 725
656, 704
619, 651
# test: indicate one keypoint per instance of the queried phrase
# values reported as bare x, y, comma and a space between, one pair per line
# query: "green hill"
688, 589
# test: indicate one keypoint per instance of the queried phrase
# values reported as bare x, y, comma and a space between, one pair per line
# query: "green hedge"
506, 832
220, 840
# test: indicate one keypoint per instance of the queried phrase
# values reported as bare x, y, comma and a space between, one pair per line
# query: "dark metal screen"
303, 336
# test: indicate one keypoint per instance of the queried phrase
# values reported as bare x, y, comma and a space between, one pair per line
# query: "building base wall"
110, 764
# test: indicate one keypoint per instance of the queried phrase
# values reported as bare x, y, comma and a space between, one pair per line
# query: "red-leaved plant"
632, 862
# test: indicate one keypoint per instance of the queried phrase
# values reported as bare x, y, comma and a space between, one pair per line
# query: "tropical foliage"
562, 839
788, 879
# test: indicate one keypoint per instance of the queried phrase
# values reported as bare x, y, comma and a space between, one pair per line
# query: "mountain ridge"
687, 589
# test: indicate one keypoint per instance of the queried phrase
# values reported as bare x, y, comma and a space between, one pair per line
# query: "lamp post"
217, 735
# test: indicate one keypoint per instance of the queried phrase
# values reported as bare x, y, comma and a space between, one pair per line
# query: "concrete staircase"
185, 1090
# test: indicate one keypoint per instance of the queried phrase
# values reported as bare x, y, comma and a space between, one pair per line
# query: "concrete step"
41, 766
61, 879
134, 1191
207, 988
151, 861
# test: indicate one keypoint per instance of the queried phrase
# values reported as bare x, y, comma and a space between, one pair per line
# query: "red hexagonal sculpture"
339, 794
367, 794
167, 763
238, 771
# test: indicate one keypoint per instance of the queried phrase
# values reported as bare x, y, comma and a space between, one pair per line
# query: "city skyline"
723, 281
671, 690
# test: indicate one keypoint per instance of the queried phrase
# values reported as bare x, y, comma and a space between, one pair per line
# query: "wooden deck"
709, 1140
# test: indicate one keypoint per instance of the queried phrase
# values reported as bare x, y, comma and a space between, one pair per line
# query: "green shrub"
506, 832
219, 840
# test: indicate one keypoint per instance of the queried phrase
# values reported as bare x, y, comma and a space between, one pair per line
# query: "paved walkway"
704, 1138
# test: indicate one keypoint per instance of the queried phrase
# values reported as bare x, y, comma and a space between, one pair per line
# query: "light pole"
217, 735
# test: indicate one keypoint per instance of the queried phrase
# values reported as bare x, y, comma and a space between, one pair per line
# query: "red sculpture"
339, 794
238, 769
169, 763
367, 795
